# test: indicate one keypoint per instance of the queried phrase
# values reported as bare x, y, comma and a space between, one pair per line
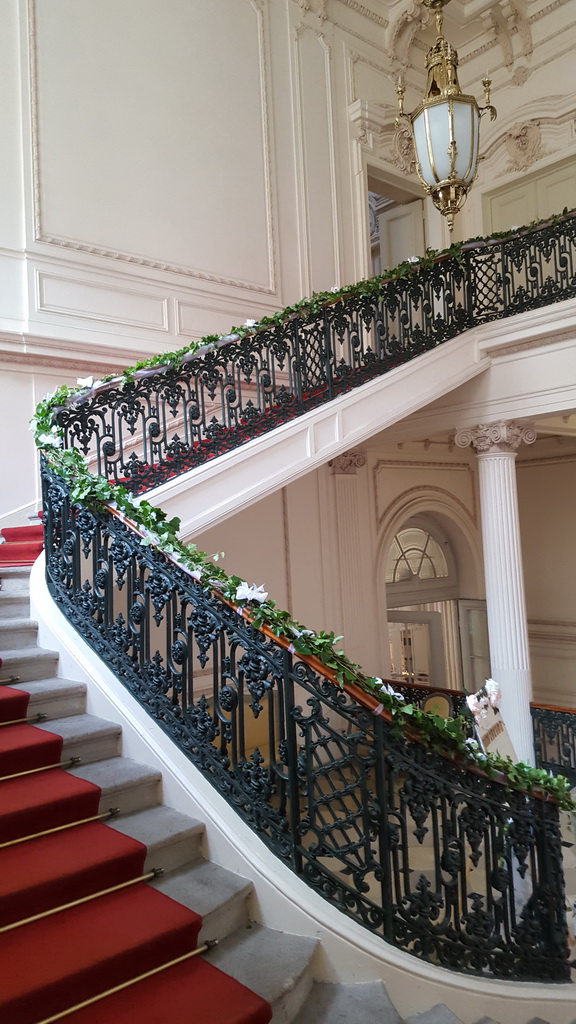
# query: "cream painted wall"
170, 174
546, 495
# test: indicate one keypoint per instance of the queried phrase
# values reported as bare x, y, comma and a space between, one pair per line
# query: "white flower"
335, 288
493, 692
253, 593
386, 688
50, 440
249, 323
85, 382
412, 259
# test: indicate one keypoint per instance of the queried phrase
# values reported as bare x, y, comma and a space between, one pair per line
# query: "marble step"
87, 737
13, 606
28, 663
17, 633
125, 784
348, 1004
276, 965
218, 895
15, 579
56, 698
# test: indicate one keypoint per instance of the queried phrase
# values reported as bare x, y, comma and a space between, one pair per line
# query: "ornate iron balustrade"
555, 739
444, 863
163, 423
435, 699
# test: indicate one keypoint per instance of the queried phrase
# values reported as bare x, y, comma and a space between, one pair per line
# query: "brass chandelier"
445, 126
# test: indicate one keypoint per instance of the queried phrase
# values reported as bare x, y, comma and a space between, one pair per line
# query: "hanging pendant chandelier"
445, 126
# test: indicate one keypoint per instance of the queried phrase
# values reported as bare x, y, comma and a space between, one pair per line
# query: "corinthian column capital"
489, 438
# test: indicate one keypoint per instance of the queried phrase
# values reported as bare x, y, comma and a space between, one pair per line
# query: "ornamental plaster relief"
347, 463
491, 438
524, 144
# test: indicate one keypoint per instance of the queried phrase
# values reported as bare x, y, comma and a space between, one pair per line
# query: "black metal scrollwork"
443, 862
156, 427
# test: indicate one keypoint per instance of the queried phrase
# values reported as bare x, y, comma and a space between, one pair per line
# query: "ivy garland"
448, 737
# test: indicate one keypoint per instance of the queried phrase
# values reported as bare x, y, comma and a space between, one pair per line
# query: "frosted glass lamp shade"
446, 135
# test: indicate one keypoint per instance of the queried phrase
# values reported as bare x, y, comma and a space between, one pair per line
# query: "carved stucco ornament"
316, 6
524, 144
348, 463
488, 438
403, 155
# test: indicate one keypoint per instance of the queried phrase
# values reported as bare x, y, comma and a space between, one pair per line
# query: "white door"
535, 197
401, 233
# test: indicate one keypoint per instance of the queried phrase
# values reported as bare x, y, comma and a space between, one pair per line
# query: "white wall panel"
315, 147
152, 133
71, 297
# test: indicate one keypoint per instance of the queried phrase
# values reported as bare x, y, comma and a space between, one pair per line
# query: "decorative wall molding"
365, 12
121, 256
424, 493
301, 147
71, 297
347, 463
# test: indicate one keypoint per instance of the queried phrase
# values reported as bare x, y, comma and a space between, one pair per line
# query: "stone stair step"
29, 663
348, 1004
18, 633
57, 698
125, 784
86, 737
218, 895
15, 579
173, 839
276, 965
439, 1014
13, 606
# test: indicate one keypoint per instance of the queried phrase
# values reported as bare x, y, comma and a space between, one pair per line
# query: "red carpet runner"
58, 961
22, 544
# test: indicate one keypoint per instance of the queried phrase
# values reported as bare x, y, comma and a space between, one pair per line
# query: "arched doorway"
436, 636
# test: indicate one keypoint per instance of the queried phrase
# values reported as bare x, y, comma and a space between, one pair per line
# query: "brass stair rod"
40, 717
154, 873
70, 763
9, 681
60, 828
126, 984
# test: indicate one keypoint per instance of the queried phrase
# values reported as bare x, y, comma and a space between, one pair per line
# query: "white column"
496, 445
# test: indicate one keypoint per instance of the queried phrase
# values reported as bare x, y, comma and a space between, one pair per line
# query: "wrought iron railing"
555, 739
160, 424
440, 860
435, 699
554, 727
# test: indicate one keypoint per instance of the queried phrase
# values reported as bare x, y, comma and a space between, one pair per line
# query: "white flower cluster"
51, 440
386, 688
489, 696
244, 592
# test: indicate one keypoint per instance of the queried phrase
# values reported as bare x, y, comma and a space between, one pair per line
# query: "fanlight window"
415, 555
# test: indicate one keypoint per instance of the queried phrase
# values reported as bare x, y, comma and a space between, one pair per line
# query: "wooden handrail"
552, 707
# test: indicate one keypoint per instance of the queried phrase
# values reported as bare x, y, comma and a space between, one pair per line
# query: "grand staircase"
271, 967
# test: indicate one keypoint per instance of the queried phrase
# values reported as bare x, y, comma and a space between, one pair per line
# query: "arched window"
415, 553
420, 566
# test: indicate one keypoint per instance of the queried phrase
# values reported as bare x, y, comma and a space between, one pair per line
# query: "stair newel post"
384, 831
467, 258
294, 813
329, 354
296, 365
